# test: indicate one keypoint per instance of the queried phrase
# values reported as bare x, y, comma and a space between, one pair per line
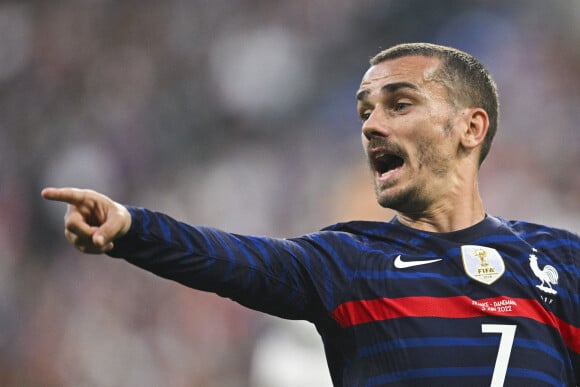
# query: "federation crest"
548, 275
483, 264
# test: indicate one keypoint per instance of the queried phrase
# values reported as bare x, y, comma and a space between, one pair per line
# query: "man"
442, 295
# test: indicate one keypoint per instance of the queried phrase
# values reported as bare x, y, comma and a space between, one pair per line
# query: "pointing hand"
92, 221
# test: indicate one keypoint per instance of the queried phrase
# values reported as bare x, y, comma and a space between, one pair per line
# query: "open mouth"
384, 162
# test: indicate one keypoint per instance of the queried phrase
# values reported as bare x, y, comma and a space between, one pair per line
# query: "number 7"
508, 332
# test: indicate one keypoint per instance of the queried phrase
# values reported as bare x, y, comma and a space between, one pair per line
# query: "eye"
364, 116
401, 106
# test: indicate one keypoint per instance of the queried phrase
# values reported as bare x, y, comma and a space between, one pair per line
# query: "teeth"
383, 157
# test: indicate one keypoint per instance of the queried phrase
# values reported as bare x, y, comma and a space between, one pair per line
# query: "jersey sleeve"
271, 275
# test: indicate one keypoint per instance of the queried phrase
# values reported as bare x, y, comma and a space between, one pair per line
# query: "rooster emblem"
548, 275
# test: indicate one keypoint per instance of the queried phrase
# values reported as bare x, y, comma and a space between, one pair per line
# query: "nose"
376, 124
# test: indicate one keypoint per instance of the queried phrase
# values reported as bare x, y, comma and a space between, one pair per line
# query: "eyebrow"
388, 88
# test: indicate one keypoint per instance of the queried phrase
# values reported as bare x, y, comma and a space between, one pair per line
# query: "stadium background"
240, 115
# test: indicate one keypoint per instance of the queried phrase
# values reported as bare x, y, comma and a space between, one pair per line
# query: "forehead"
418, 70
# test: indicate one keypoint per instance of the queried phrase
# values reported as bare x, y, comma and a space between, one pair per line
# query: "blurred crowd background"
240, 115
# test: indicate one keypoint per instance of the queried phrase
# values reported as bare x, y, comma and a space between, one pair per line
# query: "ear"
477, 123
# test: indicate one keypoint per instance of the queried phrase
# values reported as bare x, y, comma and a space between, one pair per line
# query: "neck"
455, 211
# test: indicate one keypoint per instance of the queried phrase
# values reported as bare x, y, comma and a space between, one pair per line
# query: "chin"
393, 202
406, 201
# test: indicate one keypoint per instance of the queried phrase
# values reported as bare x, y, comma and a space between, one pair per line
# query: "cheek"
424, 152
433, 156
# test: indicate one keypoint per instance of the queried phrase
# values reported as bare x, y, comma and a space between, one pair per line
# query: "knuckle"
69, 236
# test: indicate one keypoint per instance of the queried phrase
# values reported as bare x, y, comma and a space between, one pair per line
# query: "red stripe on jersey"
360, 312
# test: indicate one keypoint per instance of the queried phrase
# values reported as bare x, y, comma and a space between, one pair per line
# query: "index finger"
72, 196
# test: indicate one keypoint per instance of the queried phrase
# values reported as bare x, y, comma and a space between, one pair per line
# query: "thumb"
102, 242
117, 224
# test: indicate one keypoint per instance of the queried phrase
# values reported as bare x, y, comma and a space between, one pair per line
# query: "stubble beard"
417, 196
406, 200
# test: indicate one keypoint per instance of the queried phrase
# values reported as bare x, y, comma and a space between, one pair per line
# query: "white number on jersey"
508, 332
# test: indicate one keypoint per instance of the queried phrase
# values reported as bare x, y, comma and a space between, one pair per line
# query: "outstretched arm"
284, 277
92, 220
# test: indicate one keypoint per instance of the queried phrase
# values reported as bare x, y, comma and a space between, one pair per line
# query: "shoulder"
366, 231
368, 234
353, 234
535, 229
363, 228
547, 236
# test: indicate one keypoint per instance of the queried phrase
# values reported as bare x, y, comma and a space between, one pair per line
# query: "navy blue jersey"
491, 305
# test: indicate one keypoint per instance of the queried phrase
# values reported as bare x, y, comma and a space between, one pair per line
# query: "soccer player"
444, 294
